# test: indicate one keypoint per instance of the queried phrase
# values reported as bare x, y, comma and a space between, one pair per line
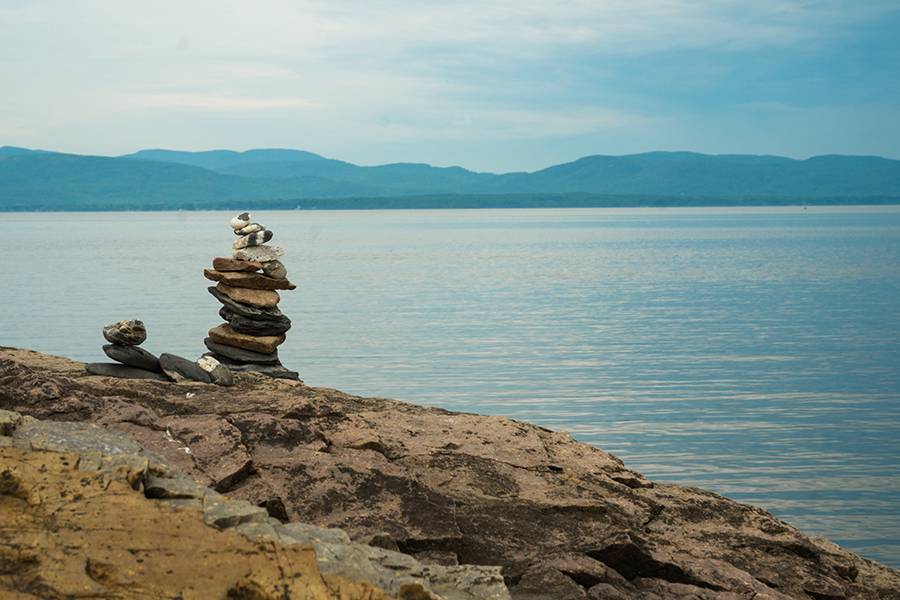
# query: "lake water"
753, 352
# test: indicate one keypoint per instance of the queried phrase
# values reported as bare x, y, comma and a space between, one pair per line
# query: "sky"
490, 85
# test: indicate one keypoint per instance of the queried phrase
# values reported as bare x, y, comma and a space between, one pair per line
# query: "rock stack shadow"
247, 286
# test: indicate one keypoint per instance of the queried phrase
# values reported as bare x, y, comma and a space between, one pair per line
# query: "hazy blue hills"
283, 178
222, 160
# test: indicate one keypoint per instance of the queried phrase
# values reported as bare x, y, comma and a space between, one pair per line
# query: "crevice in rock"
632, 562
232, 481
655, 512
276, 509
415, 545
582, 578
824, 596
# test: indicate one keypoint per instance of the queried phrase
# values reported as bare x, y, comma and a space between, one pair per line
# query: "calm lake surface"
753, 352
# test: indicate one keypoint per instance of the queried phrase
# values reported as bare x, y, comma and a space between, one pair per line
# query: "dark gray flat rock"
239, 354
133, 356
179, 369
122, 371
277, 370
254, 326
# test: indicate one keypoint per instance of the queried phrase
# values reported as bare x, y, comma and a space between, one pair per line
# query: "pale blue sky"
489, 85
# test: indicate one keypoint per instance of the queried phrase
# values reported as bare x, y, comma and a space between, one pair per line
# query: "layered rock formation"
246, 287
565, 520
85, 512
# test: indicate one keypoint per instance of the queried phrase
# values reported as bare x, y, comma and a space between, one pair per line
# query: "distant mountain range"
276, 178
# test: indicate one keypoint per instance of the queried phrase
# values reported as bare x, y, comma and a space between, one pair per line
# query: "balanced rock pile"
133, 362
247, 285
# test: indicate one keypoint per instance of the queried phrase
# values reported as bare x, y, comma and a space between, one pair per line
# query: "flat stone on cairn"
253, 326
261, 254
244, 279
239, 354
246, 284
266, 344
259, 298
233, 264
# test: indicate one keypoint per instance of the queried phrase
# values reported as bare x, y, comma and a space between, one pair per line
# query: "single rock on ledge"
219, 373
564, 519
127, 333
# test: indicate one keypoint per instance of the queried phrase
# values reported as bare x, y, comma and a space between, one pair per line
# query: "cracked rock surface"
564, 519
87, 512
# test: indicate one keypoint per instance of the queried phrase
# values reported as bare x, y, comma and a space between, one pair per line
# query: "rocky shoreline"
562, 519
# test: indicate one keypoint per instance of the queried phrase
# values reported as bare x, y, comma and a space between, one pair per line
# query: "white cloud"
216, 102
330, 75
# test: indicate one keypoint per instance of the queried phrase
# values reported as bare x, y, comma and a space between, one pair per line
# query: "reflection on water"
754, 352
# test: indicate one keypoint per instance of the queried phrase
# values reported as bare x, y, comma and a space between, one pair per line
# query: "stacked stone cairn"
133, 362
247, 285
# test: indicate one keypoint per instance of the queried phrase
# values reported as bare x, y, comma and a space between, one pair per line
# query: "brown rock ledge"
566, 520
67, 533
86, 512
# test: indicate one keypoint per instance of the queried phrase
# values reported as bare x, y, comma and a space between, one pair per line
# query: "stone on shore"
122, 371
261, 253
130, 332
253, 281
219, 373
253, 239
179, 369
260, 298
240, 221
224, 334
133, 356
87, 513
275, 269
247, 310
233, 353
251, 228
276, 371
255, 326
483, 488
232, 264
